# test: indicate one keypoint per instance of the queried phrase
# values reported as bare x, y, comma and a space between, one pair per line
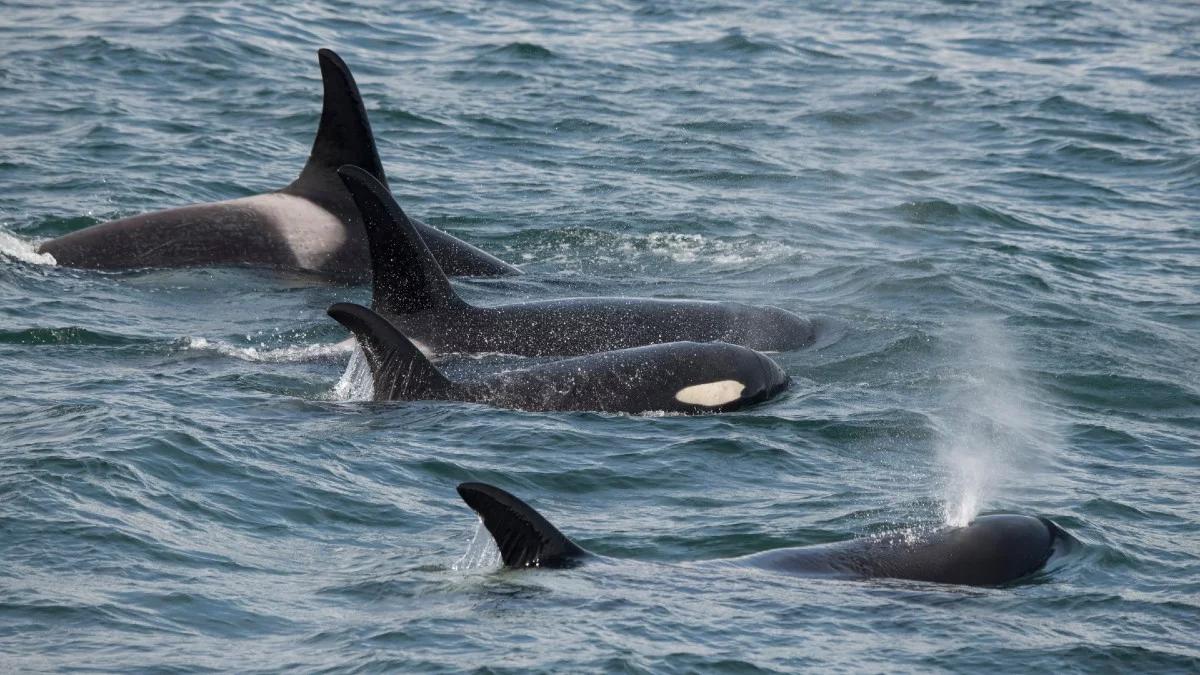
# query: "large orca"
990, 551
311, 225
411, 289
680, 377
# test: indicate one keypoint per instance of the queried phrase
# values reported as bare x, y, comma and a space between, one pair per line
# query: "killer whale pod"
319, 224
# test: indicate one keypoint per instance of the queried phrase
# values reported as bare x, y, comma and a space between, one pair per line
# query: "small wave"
22, 250
940, 212
580, 125
524, 51
264, 354
733, 43
1123, 119
67, 335
736, 42
859, 119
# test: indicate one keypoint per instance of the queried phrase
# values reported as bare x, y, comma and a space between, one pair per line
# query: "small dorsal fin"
524, 537
344, 136
399, 371
405, 276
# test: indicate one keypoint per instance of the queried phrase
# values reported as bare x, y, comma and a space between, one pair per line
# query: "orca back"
675, 377
990, 551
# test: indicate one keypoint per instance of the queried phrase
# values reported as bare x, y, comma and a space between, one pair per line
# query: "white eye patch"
711, 394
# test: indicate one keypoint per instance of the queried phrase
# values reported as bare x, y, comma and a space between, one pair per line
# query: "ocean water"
992, 208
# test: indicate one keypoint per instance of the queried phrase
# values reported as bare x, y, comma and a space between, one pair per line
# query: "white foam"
679, 247
264, 354
686, 248
25, 251
481, 553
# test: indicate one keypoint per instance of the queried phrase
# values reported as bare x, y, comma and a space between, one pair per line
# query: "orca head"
723, 377
989, 551
772, 379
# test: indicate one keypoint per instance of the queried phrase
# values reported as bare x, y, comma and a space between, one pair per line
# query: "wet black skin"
577, 326
992, 550
989, 551
412, 292
637, 380
223, 234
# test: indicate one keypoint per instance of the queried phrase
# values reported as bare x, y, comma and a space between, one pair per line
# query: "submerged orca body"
410, 288
990, 551
680, 377
311, 225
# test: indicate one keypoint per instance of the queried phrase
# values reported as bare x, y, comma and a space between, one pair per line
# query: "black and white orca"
677, 377
311, 225
990, 551
410, 288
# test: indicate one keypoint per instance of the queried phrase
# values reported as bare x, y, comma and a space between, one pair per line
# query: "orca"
677, 377
992, 550
410, 288
310, 226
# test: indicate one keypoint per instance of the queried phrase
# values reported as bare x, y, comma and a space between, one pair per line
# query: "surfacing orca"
679, 377
990, 551
411, 290
311, 225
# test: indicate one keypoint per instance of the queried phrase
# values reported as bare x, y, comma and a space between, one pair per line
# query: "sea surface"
992, 209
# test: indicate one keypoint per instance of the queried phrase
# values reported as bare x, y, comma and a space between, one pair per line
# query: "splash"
355, 384
989, 429
607, 249
687, 248
966, 486
22, 250
481, 553
264, 354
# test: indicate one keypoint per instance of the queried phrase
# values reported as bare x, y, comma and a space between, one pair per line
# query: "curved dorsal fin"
405, 276
344, 136
524, 537
399, 371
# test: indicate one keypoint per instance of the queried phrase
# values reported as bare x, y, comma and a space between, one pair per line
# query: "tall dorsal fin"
524, 537
399, 371
405, 276
344, 136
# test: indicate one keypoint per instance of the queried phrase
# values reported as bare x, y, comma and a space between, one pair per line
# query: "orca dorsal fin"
524, 537
405, 277
344, 136
399, 371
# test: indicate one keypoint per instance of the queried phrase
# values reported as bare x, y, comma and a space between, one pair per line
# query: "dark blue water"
994, 208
